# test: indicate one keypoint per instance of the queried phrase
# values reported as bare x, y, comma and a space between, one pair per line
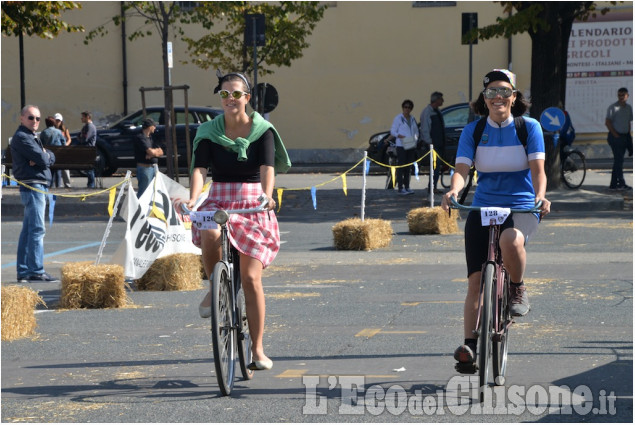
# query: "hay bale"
176, 272
18, 311
356, 235
429, 221
86, 285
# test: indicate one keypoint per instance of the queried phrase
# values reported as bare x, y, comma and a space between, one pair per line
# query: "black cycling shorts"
477, 236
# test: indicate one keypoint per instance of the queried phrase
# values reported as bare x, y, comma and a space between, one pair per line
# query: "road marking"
299, 373
64, 251
416, 303
371, 332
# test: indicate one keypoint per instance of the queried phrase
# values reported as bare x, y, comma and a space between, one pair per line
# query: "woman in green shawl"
243, 152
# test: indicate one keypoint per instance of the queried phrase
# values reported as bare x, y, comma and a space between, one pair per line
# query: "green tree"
288, 25
549, 27
35, 18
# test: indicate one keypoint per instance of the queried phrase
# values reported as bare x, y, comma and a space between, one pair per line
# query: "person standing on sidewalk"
146, 154
433, 132
406, 133
619, 118
31, 166
51, 136
88, 137
59, 124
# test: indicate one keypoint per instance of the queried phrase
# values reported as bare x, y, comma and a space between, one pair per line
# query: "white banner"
153, 228
599, 62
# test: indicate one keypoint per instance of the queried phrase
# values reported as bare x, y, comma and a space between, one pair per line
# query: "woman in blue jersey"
510, 175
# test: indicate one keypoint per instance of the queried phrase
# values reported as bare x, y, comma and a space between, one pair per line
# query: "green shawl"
215, 131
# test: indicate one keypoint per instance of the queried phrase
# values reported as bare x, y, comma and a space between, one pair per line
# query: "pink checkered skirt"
256, 235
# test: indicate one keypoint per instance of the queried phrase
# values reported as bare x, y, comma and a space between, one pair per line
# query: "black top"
224, 163
141, 144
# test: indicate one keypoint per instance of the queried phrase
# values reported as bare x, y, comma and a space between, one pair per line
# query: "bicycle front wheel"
573, 169
485, 334
223, 329
501, 338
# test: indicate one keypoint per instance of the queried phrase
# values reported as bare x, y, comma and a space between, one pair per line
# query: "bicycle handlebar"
263, 199
457, 206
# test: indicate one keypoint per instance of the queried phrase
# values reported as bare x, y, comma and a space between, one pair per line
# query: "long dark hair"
519, 107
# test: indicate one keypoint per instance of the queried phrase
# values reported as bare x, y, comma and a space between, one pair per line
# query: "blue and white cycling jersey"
504, 177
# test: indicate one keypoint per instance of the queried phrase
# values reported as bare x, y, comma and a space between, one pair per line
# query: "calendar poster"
599, 62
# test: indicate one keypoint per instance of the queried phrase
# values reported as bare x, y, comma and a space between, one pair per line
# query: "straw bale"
18, 311
86, 285
428, 221
176, 272
356, 235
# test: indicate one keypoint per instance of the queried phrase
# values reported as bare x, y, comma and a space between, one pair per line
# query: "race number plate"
203, 220
493, 215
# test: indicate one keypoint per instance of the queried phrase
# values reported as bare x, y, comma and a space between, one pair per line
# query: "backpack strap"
521, 130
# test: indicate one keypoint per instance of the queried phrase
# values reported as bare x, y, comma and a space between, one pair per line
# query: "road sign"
170, 63
267, 98
552, 119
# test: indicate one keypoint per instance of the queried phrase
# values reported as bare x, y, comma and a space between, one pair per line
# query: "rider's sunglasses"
492, 92
236, 94
31, 118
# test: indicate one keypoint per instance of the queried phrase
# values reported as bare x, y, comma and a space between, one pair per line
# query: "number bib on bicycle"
494, 215
256, 235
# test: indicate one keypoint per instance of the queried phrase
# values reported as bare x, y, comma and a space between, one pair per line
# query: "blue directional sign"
552, 119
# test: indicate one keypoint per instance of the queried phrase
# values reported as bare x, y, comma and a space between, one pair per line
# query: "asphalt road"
355, 336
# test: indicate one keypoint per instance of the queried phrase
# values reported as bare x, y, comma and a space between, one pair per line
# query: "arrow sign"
552, 119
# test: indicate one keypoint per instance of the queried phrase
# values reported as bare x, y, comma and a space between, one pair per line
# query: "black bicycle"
572, 167
230, 328
494, 318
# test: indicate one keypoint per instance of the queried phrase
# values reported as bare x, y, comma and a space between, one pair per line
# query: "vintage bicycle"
230, 328
494, 318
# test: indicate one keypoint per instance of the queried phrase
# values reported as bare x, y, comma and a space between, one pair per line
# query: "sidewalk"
592, 196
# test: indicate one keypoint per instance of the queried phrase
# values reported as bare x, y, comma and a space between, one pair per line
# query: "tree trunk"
548, 81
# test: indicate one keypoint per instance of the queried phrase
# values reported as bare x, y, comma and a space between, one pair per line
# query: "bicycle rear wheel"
446, 177
223, 331
501, 341
485, 334
573, 169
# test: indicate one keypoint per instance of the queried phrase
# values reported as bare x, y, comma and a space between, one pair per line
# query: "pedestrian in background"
146, 154
619, 118
88, 137
406, 133
51, 136
59, 124
433, 132
31, 166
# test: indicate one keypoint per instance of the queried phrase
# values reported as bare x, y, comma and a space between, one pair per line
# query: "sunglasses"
492, 92
236, 94
407, 107
31, 118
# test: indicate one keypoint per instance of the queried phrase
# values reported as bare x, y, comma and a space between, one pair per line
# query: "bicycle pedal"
467, 368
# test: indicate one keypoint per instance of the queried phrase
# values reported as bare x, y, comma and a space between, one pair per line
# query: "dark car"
115, 144
455, 117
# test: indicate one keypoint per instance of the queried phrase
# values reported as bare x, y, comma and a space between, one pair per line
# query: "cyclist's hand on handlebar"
545, 208
445, 201
178, 202
271, 204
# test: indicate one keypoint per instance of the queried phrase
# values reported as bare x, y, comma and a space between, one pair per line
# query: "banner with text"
153, 228
599, 62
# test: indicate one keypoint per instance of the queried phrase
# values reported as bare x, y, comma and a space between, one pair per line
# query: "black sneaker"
519, 302
44, 277
464, 355
23, 279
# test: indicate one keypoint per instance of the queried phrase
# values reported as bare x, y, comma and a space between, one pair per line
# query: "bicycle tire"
243, 339
573, 169
485, 334
389, 181
223, 330
445, 178
501, 340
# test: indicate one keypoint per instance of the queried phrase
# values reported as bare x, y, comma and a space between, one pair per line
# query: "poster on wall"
599, 62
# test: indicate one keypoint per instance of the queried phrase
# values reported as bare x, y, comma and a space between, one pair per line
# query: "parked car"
115, 144
455, 117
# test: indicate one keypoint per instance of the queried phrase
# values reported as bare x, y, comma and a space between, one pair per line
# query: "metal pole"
255, 88
112, 217
470, 72
431, 186
364, 186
